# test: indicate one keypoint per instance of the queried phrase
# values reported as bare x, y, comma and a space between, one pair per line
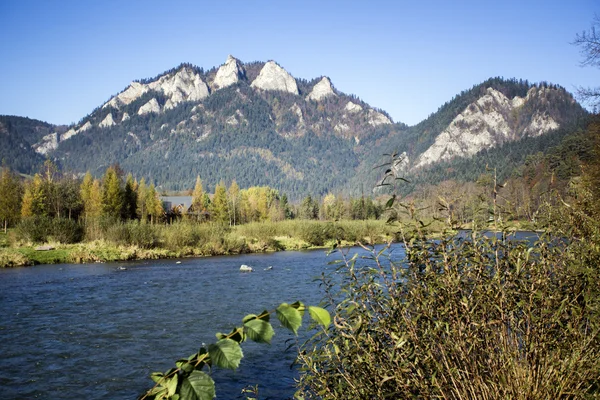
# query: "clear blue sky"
61, 59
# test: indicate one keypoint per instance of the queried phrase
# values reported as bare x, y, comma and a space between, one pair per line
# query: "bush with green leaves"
478, 317
188, 381
40, 229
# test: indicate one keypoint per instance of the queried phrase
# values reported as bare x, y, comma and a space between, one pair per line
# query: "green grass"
3, 239
57, 256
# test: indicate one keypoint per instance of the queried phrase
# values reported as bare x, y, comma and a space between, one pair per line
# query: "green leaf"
390, 202
226, 353
249, 317
171, 385
197, 386
260, 331
289, 317
298, 305
157, 376
185, 366
156, 392
320, 315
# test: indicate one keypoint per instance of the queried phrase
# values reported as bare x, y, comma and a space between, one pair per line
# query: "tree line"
117, 196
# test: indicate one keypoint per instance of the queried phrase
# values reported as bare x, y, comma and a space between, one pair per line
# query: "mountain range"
256, 123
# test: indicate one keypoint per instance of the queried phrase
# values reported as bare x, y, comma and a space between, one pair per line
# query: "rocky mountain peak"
321, 90
273, 77
485, 123
229, 73
182, 85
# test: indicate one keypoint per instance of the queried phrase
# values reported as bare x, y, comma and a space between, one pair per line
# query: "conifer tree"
130, 198
219, 208
198, 206
153, 204
11, 193
142, 193
112, 194
35, 198
233, 201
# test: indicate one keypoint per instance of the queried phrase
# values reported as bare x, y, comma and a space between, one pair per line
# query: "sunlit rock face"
229, 73
353, 108
48, 143
273, 77
321, 90
377, 118
150, 107
107, 122
486, 123
183, 85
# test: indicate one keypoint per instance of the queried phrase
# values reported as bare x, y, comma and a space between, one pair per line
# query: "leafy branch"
187, 381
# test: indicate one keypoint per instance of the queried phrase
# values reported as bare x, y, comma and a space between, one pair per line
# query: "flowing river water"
96, 331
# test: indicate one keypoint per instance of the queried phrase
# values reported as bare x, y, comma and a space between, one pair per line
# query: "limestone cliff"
273, 77
321, 90
229, 73
182, 85
486, 123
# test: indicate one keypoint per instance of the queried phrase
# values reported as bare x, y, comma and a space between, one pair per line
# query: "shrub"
143, 235
40, 229
183, 234
460, 318
134, 233
33, 229
66, 231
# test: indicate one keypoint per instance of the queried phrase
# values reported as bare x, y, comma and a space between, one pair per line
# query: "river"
96, 331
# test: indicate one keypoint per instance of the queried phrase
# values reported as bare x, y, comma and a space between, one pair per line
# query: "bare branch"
589, 95
589, 44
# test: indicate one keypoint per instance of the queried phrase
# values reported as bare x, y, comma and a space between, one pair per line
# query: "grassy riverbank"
134, 241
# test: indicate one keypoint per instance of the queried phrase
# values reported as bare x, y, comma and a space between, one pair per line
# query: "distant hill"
17, 134
255, 123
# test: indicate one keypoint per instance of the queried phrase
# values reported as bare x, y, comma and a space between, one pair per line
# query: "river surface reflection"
96, 331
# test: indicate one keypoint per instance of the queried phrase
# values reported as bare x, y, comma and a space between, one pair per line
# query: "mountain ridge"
223, 125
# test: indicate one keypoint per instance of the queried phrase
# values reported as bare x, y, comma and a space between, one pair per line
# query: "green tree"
309, 208
198, 207
233, 200
112, 194
219, 208
153, 204
11, 193
35, 198
142, 194
91, 197
130, 198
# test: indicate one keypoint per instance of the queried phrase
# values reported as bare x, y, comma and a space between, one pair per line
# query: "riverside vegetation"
137, 240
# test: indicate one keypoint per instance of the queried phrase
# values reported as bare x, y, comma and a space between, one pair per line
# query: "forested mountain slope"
255, 123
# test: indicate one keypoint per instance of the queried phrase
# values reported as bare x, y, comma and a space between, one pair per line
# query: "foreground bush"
472, 318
